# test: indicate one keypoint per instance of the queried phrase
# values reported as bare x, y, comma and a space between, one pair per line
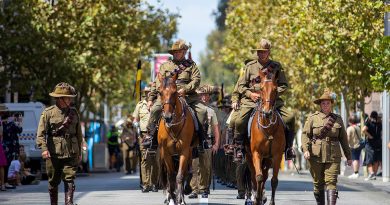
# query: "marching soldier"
128, 146
321, 138
188, 81
59, 137
202, 166
248, 87
220, 157
149, 165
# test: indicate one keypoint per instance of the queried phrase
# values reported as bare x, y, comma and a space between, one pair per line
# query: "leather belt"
327, 139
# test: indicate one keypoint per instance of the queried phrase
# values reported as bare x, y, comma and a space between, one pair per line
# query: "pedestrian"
113, 148
3, 160
11, 128
202, 166
322, 136
149, 165
373, 157
356, 145
59, 137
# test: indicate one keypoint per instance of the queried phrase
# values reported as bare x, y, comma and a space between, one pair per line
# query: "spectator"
25, 175
373, 130
356, 144
11, 128
3, 160
14, 171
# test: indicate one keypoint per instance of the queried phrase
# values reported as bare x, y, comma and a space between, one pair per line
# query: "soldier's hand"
306, 155
349, 162
150, 104
214, 148
181, 92
46, 154
255, 97
235, 106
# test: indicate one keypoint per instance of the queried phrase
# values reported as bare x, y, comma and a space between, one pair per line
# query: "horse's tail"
163, 175
247, 179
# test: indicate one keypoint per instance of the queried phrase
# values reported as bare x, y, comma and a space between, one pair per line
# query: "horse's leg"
257, 161
274, 179
252, 184
171, 178
265, 168
183, 165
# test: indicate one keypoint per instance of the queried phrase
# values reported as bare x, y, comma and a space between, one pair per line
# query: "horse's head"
168, 92
268, 92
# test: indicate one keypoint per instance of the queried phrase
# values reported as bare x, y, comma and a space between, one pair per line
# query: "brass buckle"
327, 139
67, 136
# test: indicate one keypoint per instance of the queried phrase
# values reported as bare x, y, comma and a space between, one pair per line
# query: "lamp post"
386, 114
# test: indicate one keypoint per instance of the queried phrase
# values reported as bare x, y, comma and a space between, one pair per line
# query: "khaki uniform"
325, 154
247, 84
202, 166
129, 152
64, 147
149, 167
188, 79
220, 158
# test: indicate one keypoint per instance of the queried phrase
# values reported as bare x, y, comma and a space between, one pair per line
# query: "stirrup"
289, 154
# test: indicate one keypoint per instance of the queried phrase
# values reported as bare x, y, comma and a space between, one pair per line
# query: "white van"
31, 113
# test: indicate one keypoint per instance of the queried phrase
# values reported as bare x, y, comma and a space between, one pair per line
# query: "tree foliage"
94, 45
320, 43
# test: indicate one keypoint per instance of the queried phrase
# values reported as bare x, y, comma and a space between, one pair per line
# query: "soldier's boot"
150, 139
332, 196
53, 192
320, 197
239, 152
289, 151
69, 188
229, 148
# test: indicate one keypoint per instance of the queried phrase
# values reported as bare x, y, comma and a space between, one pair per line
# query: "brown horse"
175, 136
267, 140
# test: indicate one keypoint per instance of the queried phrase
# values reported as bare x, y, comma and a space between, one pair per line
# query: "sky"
196, 21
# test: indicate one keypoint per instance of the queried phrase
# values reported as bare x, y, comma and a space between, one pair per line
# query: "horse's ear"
275, 76
261, 74
175, 75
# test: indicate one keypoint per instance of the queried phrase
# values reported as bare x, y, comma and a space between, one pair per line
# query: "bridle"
274, 115
174, 117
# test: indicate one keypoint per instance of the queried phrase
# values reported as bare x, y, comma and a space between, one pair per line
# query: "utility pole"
386, 114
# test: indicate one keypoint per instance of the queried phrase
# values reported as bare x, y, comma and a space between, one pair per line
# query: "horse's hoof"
171, 202
264, 199
249, 202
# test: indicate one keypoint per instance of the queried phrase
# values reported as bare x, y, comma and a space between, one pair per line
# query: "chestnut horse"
267, 140
175, 136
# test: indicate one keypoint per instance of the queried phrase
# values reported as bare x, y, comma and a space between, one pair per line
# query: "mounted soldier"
188, 80
248, 87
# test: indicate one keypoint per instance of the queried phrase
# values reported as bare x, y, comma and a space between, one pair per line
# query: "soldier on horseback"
187, 82
248, 88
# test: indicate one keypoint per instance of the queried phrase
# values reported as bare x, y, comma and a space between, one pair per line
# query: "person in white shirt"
14, 171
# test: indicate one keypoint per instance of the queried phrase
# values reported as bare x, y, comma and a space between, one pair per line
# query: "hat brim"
171, 51
259, 49
61, 95
318, 101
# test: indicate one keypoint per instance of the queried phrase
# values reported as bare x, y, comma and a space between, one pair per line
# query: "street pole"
386, 116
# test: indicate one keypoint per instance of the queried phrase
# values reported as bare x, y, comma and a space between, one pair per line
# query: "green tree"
94, 45
319, 43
